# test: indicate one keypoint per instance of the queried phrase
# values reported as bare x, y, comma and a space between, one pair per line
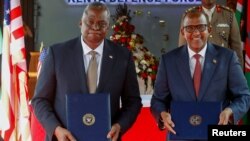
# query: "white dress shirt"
87, 56
192, 60
209, 12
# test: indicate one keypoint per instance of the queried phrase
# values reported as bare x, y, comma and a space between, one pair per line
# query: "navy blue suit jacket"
222, 80
63, 72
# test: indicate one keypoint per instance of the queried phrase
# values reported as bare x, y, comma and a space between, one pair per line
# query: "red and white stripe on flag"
14, 123
239, 5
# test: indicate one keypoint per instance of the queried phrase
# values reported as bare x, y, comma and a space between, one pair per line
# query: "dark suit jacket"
63, 72
222, 80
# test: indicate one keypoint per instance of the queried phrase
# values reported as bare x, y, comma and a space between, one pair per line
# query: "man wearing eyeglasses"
65, 70
199, 72
224, 28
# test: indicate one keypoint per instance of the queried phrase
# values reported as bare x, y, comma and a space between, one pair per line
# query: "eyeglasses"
192, 28
93, 25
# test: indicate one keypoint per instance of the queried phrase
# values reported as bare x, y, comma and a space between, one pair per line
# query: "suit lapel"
184, 69
208, 69
77, 59
106, 66
214, 18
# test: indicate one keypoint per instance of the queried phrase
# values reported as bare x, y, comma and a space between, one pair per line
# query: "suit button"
211, 36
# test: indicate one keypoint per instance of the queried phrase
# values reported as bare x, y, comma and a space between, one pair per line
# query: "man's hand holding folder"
225, 116
63, 134
168, 123
114, 132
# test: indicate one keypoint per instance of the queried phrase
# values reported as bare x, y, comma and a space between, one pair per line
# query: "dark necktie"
197, 74
92, 73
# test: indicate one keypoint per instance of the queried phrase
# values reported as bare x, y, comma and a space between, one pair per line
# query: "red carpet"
144, 129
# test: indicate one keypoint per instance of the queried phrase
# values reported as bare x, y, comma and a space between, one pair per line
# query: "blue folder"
88, 116
192, 119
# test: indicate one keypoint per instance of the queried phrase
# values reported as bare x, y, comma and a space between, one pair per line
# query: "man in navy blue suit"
221, 76
64, 71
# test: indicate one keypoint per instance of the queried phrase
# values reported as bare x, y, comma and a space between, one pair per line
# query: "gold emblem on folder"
195, 120
88, 119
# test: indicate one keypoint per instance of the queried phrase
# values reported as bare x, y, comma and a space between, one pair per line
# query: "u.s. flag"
14, 123
43, 53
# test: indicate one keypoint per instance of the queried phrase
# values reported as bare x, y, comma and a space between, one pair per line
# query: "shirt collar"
209, 10
87, 49
192, 53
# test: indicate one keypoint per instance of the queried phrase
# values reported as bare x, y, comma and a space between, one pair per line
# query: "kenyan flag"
243, 18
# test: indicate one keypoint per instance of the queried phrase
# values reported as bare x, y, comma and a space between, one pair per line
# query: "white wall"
59, 22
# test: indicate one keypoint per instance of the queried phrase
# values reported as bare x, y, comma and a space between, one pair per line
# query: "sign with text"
134, 2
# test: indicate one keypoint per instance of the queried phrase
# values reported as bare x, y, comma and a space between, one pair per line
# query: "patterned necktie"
92, 73
197, 74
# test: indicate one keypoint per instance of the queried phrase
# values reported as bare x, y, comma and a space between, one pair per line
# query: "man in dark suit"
64, 71
221, 78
